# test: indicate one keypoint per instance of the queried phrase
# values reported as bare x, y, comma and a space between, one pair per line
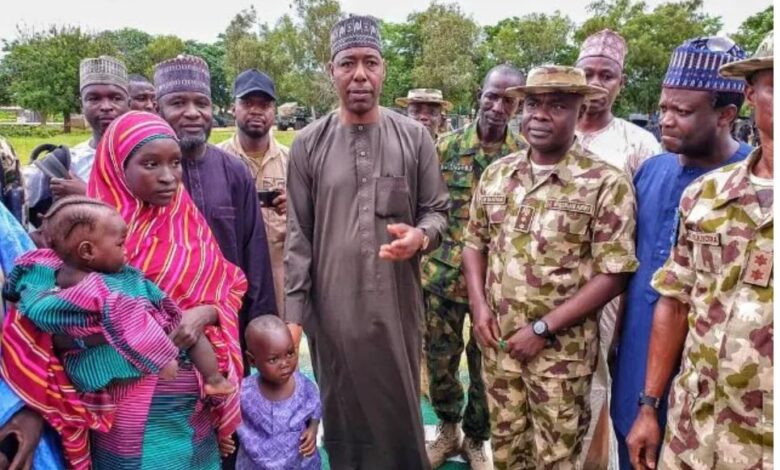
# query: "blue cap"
695, 64
251, 81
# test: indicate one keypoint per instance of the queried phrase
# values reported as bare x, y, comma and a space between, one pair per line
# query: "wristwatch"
647, 400
540, 328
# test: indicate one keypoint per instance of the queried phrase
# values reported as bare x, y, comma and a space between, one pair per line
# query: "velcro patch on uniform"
492, 199
704, 238
570, 206
759, 268
524, 218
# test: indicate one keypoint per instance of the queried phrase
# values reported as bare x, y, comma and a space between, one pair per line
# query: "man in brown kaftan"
365, 199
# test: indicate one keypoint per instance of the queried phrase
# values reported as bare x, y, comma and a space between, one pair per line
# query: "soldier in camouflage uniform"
549, 241
464, 154
716, 311
426, 106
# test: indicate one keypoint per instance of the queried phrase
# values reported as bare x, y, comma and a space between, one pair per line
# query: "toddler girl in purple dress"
280, 408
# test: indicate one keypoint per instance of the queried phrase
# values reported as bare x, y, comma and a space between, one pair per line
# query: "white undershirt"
537, 168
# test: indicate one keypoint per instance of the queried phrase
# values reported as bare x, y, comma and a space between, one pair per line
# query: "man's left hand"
409, 241
525, 344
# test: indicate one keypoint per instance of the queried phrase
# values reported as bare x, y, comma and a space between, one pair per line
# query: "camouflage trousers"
536, 422
444, 346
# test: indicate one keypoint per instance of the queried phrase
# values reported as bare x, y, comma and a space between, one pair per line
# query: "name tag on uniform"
759, 268
456, 167
524, 218
704, 238
492, 199
570, 206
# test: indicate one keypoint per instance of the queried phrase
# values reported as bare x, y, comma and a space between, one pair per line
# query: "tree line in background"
440, 47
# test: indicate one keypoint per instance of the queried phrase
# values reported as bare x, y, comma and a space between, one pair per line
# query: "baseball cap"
252, 80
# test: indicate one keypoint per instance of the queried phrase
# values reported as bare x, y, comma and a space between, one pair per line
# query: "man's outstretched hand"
409, 240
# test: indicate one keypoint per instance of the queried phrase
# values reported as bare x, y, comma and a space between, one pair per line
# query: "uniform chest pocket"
392, 197
563, 234
570, 217
496, 213
707, 257
461, 186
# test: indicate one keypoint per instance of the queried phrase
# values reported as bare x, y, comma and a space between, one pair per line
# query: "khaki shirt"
721, 404
269, 173
545, 238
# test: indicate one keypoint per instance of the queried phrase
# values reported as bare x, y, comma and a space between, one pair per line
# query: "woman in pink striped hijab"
155, 423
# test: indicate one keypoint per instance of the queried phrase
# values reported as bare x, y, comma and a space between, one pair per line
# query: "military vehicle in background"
290, 115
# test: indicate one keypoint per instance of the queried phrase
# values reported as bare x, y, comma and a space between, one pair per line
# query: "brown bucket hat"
424, 95
556, 79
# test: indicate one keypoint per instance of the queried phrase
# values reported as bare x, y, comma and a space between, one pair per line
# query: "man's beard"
251, 133
189, 142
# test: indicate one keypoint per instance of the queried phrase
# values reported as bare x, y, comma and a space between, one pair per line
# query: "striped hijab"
173, 247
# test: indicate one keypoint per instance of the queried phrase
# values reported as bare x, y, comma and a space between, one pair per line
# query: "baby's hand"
169, 370
309, 440
227, 446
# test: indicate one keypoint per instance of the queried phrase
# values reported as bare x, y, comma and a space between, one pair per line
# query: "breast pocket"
392, 198
495, 213
707, 258
461, 186
223, 226
562, 236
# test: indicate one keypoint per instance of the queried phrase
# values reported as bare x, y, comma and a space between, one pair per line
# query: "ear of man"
750, 94
583, 108
727, 115
329, 67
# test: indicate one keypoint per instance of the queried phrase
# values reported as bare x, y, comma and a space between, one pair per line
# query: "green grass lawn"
25, 145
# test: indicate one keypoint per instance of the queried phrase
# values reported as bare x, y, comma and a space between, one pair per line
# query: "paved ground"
429, 417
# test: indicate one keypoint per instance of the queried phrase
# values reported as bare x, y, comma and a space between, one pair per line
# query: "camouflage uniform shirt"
462, 162
720, 412
545, 238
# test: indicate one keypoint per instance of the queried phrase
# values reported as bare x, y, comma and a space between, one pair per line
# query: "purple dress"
270, 431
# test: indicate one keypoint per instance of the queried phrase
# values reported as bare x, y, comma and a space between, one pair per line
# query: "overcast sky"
204, 20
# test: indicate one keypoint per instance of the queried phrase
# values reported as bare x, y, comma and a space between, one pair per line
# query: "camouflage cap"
424, 95
556, 79
762, 59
